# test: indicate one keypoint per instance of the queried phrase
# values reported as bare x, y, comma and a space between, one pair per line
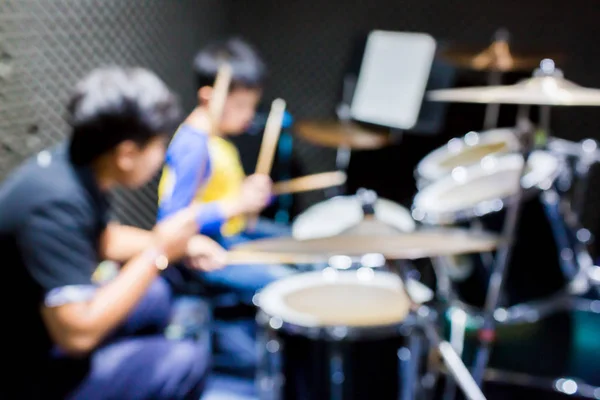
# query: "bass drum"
477, 195
465, 151
339, 214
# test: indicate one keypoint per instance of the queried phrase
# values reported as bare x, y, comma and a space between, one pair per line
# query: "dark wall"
46, 46
308, 44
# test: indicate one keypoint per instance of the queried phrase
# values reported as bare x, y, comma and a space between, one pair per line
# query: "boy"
71, 338
205, 168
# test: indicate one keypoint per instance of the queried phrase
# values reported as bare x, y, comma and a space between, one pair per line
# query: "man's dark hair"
248, 70
112, 105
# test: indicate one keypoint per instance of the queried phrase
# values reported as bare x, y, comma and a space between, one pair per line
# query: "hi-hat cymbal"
337, 134
424, 243
547, 87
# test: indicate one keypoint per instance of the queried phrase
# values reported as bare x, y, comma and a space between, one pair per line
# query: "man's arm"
60, 254
78, 327
121, 242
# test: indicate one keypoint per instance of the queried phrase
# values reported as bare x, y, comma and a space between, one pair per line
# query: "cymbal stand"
495, 288
492, 111
582, 174
343, 153
453, 362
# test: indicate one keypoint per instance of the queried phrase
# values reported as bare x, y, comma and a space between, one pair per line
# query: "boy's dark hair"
247, 67
112, 105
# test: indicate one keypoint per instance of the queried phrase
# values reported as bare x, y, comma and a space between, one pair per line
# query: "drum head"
482, 188
362, 298
339, 214
466, 151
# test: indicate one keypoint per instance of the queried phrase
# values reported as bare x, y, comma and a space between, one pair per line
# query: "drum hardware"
565, 385
326, 336
280, 321
346, 215
344, 114
546, 87
451, 359
473, 148
497, 277
368, 199
586, 154
423, 243
566, 382
497, 59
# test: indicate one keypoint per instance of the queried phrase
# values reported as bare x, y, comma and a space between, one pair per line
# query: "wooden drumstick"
219, 96
237, 257
268, 145
270, 137
310, 182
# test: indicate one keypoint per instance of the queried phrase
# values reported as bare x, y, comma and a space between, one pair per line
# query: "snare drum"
478, 194
334, 216
465, 151
337, 335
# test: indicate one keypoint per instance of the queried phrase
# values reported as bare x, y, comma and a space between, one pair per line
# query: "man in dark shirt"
65, 336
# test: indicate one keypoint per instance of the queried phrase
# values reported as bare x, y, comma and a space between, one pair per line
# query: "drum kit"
362, 325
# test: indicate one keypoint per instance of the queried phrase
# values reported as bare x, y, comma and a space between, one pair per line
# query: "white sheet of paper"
393, 77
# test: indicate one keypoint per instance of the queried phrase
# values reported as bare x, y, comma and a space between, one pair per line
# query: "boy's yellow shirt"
201, 168
225, 182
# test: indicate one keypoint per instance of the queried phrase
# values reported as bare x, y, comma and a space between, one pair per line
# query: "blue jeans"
235, 340
137, 362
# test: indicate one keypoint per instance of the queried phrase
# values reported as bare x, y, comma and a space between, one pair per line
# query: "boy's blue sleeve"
186, 170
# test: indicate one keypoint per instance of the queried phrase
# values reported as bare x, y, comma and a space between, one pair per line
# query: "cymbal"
338, 134
497, 57
544, 88
423, 243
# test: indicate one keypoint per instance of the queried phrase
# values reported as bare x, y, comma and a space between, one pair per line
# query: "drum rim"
428, 168
549, 168
269, 300
409, 222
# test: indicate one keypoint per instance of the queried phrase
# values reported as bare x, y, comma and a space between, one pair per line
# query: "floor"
223, 387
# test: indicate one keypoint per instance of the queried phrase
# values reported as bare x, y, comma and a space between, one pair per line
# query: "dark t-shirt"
52, 214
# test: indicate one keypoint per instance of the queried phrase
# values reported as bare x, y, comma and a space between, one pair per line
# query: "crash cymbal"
497, 57
414, 245
337, 134
546, 88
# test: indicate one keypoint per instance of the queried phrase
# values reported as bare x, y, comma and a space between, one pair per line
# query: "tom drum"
337, 335
478, 195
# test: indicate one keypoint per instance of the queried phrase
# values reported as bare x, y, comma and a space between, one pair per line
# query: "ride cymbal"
337, 134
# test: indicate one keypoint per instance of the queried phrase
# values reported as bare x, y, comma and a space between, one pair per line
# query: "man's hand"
256, 193
205, 254
173, 233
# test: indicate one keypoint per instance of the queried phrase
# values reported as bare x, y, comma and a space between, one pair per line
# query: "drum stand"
343, 153
453, 362
487, 332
